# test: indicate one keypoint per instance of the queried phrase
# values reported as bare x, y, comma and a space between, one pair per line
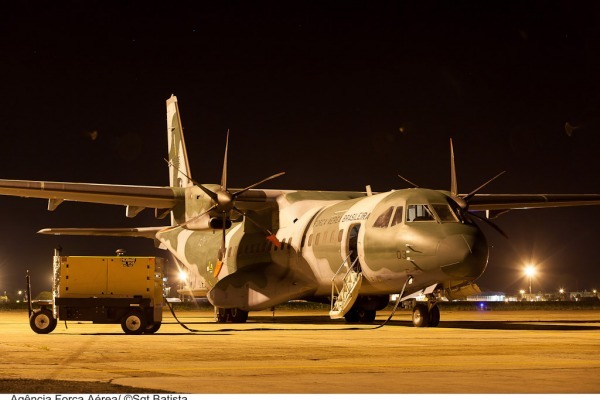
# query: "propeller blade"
453, 182
224, 230
185, 224
490, 223
407, 181
256, 184
271, 237
209, 192
224, 174
474, 192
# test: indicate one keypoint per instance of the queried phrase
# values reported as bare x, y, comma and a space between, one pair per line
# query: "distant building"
582, 296
488, 296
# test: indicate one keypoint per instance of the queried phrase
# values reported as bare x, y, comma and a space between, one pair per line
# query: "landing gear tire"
360, 315
366, 316
233, 315
134, 323
152, 328
434, 316
352, 316
420, 316
42, 321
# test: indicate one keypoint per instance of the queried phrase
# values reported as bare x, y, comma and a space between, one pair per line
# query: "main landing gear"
426, 314
234, 315
360, 315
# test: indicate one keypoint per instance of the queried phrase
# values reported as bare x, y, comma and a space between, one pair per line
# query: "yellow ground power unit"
105, 290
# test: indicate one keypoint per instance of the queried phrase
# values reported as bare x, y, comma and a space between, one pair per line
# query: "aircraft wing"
500, 202
136, 198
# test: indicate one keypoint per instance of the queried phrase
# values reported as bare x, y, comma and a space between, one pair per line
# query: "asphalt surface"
305, 352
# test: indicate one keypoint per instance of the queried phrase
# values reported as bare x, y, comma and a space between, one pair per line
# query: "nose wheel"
426, 315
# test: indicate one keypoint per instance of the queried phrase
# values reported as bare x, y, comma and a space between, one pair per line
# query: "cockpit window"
418, 212
384, 219
444, 212
398, 216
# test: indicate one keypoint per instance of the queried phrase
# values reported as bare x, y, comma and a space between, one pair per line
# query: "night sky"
337, 94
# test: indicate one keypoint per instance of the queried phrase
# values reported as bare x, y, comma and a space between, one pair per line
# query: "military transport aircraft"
251, 249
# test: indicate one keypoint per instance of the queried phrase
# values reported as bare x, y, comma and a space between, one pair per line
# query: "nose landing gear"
426, 314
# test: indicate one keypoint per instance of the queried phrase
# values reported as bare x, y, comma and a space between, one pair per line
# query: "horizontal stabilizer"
145, 232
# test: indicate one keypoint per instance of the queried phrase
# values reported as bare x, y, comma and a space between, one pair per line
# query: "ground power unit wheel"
42, 321
134, 323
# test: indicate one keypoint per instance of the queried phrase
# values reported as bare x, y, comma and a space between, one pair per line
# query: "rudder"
179, 167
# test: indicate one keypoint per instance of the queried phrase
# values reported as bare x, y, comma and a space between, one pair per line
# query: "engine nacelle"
217, 223
206, 223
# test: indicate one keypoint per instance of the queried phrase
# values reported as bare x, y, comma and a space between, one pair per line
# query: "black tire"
232, 315
352, 316
434, 316
366, 316
42, 321
420, 316
238, 316
134, 323
152, 328
221, 315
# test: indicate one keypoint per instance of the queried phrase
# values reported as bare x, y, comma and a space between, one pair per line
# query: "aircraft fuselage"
416, 232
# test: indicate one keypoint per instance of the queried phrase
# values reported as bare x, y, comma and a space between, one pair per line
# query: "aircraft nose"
463, 256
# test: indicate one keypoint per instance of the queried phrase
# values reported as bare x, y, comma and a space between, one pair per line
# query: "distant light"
562, 291
183, 276
522, 291
530, 270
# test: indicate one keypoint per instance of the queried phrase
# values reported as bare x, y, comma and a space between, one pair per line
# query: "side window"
418, 212
310, 239
398, 216
384, 219
444, 212
317, 239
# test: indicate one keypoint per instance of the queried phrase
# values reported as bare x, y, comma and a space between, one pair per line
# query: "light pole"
530, 272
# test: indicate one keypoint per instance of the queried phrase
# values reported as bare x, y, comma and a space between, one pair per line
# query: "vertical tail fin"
179, 167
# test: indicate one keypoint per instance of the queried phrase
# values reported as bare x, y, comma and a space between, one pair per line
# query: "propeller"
224, 203
463, 201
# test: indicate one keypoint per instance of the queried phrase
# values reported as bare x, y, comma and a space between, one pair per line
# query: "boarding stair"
343, 298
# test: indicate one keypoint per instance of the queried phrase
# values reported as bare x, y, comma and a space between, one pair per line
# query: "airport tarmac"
306, 352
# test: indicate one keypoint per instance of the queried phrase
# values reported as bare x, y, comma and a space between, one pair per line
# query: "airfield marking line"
566, 363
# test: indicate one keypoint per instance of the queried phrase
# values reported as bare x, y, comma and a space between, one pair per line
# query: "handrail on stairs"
335, 292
